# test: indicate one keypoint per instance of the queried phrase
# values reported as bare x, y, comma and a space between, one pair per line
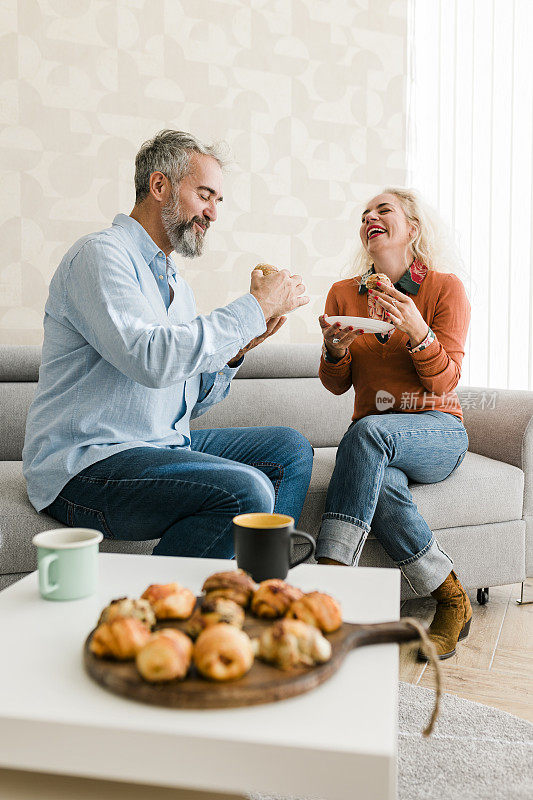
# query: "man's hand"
278, 293
273, 326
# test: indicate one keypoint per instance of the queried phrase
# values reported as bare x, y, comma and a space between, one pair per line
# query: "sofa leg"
522, 600
483, 596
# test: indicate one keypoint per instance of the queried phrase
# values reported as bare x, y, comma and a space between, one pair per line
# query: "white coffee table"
334, 742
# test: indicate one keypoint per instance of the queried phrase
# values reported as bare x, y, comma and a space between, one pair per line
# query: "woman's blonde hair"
433, 244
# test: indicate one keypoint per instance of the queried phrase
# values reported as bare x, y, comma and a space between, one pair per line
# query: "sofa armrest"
499, 423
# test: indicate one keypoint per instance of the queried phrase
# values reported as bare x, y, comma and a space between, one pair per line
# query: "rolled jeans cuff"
340, 539
427, 570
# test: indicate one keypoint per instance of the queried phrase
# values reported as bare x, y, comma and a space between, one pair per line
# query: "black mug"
263, 544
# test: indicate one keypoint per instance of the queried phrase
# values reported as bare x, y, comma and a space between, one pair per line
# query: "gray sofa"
482, 514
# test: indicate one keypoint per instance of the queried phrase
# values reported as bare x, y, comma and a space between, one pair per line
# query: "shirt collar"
409, 283
148, 248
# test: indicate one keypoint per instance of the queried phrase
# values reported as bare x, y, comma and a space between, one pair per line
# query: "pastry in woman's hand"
170, 600
121, 638
127, 607
236, 585
273, 597
266, 269
166, 656
318, 609
223, 653
212, 611
375, 311
291, 643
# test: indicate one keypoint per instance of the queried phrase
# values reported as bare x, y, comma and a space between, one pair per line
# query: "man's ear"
160, 187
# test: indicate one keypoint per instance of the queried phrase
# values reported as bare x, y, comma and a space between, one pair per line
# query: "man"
127, 363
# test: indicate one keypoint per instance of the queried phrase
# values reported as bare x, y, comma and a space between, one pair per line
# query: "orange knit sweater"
389, 377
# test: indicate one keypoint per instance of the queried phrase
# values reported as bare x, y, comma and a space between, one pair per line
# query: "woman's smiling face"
385, 226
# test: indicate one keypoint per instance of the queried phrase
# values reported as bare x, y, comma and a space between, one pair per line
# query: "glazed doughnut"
212, 611
291, 643
165, 656
170, 600
318, 609
121, 638
273, 597
223, 653
126, 607
236, 585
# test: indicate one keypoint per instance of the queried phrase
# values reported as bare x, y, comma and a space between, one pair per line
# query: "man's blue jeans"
188, 498
369, 487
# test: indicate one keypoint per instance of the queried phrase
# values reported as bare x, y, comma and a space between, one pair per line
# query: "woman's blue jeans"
369, 488
188, 498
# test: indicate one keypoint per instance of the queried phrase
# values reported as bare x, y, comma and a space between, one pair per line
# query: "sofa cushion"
480, 491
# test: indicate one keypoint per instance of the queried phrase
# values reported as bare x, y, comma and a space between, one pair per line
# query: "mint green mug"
68, 562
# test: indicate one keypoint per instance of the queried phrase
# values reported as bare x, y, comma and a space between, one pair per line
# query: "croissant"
235, 585
121, 638
223, 653
318, 609
165, 656
170, 600
126, 607
291, 643
273, 597
213, 611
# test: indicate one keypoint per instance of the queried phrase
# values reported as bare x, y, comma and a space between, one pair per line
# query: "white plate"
365, 323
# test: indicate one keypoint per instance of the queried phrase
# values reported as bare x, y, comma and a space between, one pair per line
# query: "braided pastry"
273, 597
121, 638
235, 585
165, 656
375, 311
266, 269
291, 643
223, 653
126, 607
170, 600
212, 611
318, 609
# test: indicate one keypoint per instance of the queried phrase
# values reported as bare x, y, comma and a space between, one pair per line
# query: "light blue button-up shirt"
122, 366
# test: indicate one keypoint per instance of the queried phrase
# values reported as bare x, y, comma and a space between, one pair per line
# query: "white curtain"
470, 154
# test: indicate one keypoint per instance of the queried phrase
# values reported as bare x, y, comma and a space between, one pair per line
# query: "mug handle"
311, 551
45, 565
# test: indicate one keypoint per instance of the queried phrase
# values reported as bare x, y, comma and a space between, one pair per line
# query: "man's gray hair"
169, 152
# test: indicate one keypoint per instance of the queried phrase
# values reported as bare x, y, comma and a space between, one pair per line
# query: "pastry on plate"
127, 607
273, 597
166, 656
223, 653
213, 610
235, 584
290, 643
318, 609
121, 638
170, 600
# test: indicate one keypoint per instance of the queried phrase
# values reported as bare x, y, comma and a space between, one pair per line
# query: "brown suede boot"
452, 619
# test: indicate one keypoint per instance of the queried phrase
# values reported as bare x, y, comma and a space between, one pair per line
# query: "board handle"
382, 633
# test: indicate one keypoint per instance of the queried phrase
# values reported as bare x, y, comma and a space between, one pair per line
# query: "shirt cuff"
327, 359
250, 317
430, 338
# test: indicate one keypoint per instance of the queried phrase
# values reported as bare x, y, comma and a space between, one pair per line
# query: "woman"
407, 422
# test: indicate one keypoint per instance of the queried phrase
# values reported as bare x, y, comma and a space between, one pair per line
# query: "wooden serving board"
264, 683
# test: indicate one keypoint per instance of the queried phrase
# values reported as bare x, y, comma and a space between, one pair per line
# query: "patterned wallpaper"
310, 95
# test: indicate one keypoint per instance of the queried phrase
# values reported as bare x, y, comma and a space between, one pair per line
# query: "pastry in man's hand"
127, 607
213, 610
375, 311
166, 656
170, 600
291, 643
318, 609
266, 269
121, 638
223, 653
236, 585
273, 597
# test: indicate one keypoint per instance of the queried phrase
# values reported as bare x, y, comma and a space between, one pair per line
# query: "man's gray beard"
181, 234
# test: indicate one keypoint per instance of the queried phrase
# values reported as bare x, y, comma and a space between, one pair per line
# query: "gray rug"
475, 752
